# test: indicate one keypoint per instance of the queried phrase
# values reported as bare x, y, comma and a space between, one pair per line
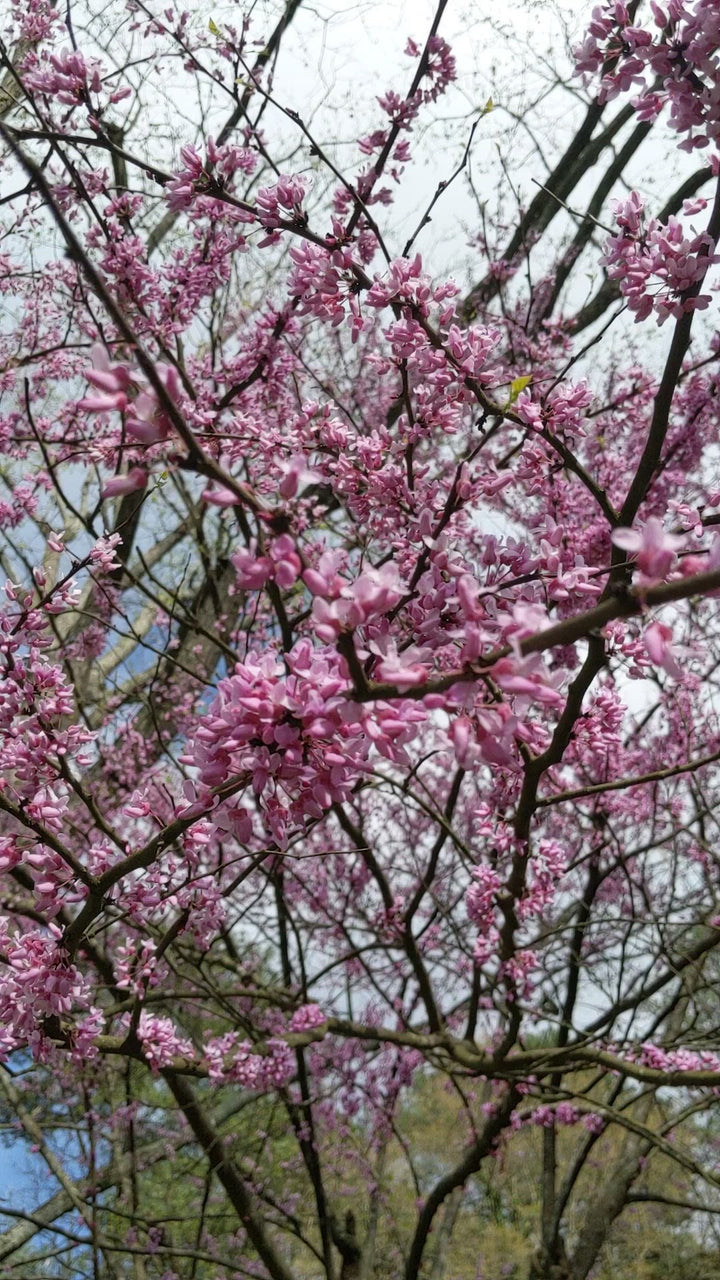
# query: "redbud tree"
359, 699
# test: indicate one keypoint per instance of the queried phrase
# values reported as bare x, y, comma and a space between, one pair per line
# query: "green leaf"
516, 386
214, 28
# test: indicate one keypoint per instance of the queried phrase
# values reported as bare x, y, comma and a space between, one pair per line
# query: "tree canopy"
359, 701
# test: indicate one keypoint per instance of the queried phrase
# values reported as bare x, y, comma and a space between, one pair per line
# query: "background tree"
358, 721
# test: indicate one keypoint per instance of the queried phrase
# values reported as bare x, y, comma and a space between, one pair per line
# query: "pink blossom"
161, 1041
282, 200
654, 549
218, 496
656, 265
136, 478
307, 1017
593, 1123
658, 642
104, 553
281, 564
297, 476
371, 594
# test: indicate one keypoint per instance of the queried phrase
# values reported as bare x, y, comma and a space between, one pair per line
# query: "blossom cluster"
122, 388
292, 736
70, 78
231, 1059
672, 61
657, 264
40, 990
209, 177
